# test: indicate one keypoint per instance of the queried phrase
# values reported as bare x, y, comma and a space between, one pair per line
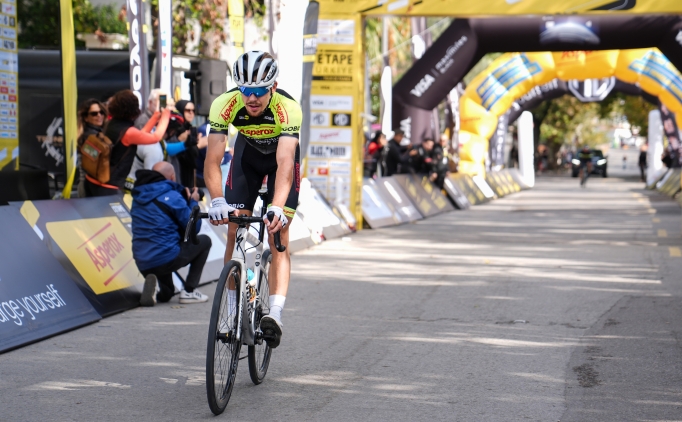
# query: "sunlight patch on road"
73, 385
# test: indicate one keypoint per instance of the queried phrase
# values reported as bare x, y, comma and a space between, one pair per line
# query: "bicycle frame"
247, 333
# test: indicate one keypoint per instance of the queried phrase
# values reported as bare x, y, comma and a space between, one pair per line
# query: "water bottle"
250, 277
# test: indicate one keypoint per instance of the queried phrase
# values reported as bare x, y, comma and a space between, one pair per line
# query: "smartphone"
162, 101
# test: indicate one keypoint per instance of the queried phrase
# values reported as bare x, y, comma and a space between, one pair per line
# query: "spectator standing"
373, 154
148, 155
153, 106
160, 212
642, 162
391, 156
428, 159
124, 108
186, 160
202, 143
91, 116
625, 161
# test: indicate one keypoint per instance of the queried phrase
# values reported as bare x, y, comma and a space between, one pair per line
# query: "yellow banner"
335, 151
99, 248
506, 7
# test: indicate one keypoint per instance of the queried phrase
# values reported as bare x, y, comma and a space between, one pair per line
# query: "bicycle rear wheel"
222, 353
259, 354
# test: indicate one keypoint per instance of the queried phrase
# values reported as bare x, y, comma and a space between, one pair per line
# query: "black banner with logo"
672, 133
443, 65
38, 299
139, 59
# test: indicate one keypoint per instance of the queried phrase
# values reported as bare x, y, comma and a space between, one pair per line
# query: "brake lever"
277, 237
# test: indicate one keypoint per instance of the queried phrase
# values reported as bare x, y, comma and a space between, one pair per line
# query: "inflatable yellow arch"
513, 75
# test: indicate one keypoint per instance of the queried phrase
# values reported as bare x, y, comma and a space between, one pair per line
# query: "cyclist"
268, 120
585, 157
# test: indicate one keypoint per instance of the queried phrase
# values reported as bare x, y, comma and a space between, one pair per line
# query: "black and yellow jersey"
281, 117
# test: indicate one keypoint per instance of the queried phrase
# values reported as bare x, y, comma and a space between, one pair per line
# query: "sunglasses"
258, 92
95, 113
190, 110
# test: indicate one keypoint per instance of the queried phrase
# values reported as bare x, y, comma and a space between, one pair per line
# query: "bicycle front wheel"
259, 354
222, 353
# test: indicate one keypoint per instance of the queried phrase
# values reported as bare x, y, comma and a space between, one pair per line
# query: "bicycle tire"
227, 356
259, 354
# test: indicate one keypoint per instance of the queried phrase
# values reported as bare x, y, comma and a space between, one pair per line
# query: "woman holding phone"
124, 109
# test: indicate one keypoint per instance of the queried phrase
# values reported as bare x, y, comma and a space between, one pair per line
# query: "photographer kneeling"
160, 212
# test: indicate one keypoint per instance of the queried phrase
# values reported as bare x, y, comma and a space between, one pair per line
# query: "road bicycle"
236, 321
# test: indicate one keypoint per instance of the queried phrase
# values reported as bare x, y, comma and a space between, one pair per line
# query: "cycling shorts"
248, 169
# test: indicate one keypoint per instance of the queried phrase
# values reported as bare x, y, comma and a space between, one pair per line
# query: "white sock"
276, 306
232, 301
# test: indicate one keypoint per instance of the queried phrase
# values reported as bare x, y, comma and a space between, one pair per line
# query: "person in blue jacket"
160, 212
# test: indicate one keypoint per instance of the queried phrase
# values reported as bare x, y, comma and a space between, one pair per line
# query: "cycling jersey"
282, 116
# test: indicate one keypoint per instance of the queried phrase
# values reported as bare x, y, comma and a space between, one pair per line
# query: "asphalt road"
554, 304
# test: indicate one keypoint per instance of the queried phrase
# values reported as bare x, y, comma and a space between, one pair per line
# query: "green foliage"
634, 109
567, 120
39, 21
209, 15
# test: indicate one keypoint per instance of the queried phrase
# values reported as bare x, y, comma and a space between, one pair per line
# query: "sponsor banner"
336, 98
610, 8
332, 136
330, 151
466, 185
9, 95
320, 118
332, 102
376, 210
441, 67
139, 58
316, 213
38, 299
672, 133
497, 142
394, 193
91, 239
336, 31
457, 196
424, 195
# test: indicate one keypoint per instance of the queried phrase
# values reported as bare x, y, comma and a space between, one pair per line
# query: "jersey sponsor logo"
272, 119
282, 114
238, 206
257, 132
229, 108
291, 129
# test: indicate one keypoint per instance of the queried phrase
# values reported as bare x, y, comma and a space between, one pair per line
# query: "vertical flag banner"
336, 142
9, 97
139, 58
309, 50
69, 90
164, 49
235, 9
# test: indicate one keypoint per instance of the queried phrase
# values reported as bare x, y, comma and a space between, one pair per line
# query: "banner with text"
38, 299
334, 153
9, 97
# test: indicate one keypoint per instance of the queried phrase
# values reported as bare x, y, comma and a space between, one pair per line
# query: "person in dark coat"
642, 162
391, 156
160, 212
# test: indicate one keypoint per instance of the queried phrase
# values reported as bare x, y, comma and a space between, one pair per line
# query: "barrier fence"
72, 259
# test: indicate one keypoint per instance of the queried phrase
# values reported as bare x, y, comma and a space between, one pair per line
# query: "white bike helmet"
255, 69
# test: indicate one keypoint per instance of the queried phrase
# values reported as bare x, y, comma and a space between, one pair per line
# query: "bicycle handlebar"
191, 231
